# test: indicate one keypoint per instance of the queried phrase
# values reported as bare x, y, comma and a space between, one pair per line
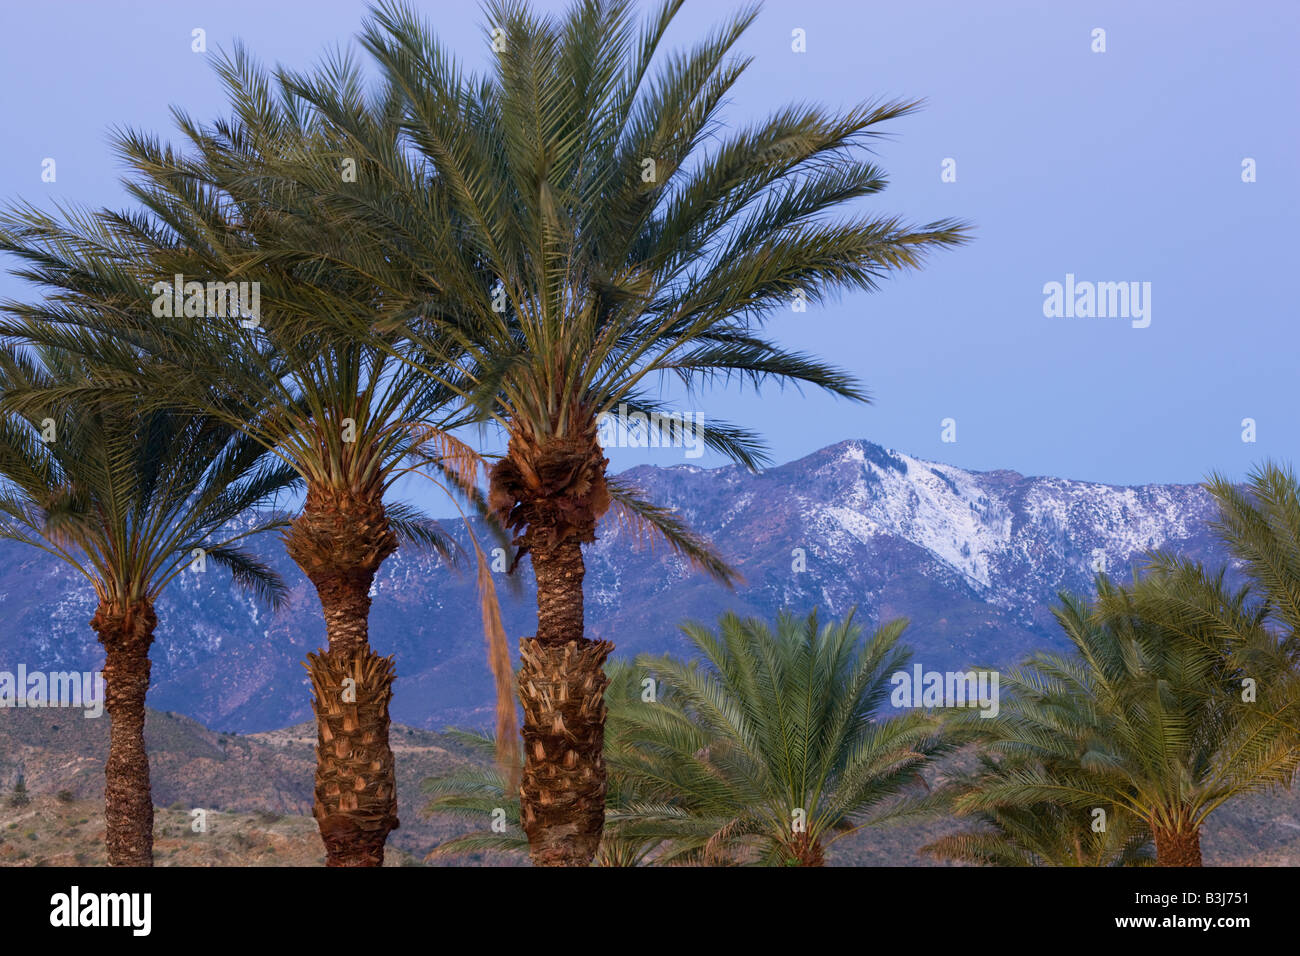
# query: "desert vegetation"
373, 269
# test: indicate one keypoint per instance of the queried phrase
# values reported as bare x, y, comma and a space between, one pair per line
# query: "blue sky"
1122, 166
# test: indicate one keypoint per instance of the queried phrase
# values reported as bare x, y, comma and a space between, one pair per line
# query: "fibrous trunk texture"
1180, 846
127, 633
806, 851
339, 541
562, 792
356, 786
553, 493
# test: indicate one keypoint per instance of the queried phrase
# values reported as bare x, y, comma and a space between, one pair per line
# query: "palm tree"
1042, 834
129, 497
302, 372
583, 231
1260, 524
477, 794
1148, 716
772, 747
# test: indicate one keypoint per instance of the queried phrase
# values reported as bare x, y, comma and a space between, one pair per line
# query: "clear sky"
1116, 166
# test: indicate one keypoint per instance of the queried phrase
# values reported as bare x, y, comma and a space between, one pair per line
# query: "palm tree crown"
773, 746
1147, 717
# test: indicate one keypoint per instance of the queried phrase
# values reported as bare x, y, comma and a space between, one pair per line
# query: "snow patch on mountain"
972, 522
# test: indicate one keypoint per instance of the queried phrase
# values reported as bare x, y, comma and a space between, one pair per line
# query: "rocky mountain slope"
973, 559
255, 791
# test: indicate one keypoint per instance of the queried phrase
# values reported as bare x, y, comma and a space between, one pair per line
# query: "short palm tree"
1259, 521
1149, 716
773, 746
129, 497
304, 377
582, 231
479, 794
1043, 834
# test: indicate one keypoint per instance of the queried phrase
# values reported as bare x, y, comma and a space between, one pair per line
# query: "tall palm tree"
303, 373
482, 795
1042, 834
1148, 715
772, 747
126, 495
606, 236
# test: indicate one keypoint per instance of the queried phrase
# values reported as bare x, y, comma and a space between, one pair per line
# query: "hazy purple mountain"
973, 559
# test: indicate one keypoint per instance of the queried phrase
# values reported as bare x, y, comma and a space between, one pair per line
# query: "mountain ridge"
972, 558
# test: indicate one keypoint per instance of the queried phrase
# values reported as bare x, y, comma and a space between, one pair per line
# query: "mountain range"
973, 559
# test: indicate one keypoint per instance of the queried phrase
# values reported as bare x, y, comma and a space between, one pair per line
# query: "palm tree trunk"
562, 688
1178, 846
554, 492
127, 634
339, 541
